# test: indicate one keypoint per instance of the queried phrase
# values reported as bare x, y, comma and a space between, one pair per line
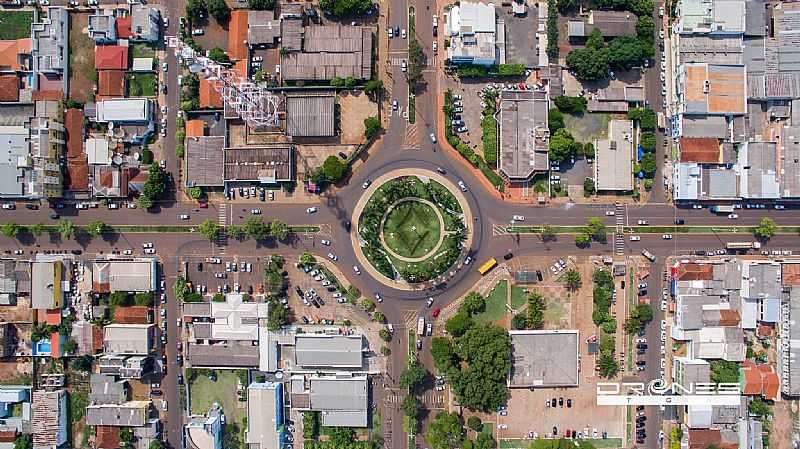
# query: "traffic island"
410, 227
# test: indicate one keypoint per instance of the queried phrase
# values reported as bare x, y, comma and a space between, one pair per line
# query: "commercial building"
105, 389
711, 89
789, 343
265, 164
320, 351
262, 28
473, 31
758, 166
129, 339
265, 415
124, 111
613, 168
50, 423
124, 275
790, 162
127, 414
341, 401
330, 51
15, 279
711, 17
205, 161
310, 115
145, 23
524, 133
16, 165
125, 366
544, 359
610, 23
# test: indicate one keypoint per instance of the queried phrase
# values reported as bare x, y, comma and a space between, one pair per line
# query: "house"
610, 23
49, 46
15, 55
98, 151
110, 181
47, 282
210, 98
613, 170
145, 23
15, 279
124, 366
330, 51
310, 115
9, 88
76, 180
47, 137
129, 339
472, 29
15, 397
105, 389
264, 415
789, 344
544, 359
50, 423
524, 134
237, 35
102, 28
759, 380
127, 414
110, 84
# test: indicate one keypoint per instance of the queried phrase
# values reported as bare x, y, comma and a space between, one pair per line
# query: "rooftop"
701, 150
206, 161
133, 339
125, 276
237, 34
342, 401
310, 115
614, 164
128, 414
209, 97
110, 57
232, 354
329, 351
111, 83
264, 415
265, 164
331, 51
524, 134
236, 319
544, 358
790, 162
712, 16
712, 89
262, 28
758, 170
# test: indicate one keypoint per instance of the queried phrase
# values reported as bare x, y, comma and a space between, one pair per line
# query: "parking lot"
231, 273
521, 41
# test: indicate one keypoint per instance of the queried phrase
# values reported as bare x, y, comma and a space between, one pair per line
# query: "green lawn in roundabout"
399, 220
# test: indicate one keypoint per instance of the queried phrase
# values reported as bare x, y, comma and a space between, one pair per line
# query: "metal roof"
129, 414
342, 401
205, 161
758, 176
264, 402
544, 358
263, 163
317, 350
310, 115
128, 338
790, 162
524, 134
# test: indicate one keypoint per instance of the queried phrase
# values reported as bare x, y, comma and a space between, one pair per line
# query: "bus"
487, 267
742, 245
722, 209
649, 255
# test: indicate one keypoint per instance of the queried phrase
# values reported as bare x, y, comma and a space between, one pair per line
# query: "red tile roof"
760, 380
107, 437
237, 34
52, 95
97, 338
52, 316
9, 88
123, 27
111, 83
703, 438
703, 150
209, 97
77, 175
55, 344
110, 57
694, 272
10, 51
195, 128
73, 122
131, 315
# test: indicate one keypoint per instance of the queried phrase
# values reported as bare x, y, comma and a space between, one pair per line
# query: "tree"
24, 441
96, 227
645, 28
385, 334
180, 289
218, 297
379, 316
582, 240
196, 9
66, 229
589, 64
519, 321
596, 229
219, 10
766, 229
279, 229
116, 299
217, 54
69, 347
458, 324
445, 432
11, 229
474, 423
209, 229
626, 52
373, 88
345, 7
306, 258
416, 60
561, 145
570, 105
255, 228
588, 186
443, 353
260, 5
648, 140
565, 5
411, 406
723, 371
334, 169
144, 202
235, 231
479, 380
555, 120
372, 127
548, 233
277, 315
155, 186
758, 407
535, 319
413, 376
82, 363
609, 366
143, 299
156, 444
595, 40
38, 229
572, 278
473, 303
648, 164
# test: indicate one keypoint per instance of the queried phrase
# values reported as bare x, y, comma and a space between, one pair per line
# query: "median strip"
538, 229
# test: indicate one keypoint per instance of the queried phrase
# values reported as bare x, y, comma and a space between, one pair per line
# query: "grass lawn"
412, 229
588, 126
142, 51
141, 85
518, 297
495, 304
205, 392
15, 24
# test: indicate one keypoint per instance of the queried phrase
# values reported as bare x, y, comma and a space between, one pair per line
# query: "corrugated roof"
524, 136
344, 351
614, 164
111, 83
205, 161
9, 88
310, 115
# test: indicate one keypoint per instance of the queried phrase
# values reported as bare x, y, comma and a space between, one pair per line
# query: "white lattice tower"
254, 103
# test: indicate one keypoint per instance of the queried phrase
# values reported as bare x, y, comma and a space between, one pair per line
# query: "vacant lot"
354, 108
141, 84
141, 50
496, 304
15, 24
82, 74
588, 126
223, 391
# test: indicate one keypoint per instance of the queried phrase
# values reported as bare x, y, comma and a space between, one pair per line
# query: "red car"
203, 206
436, 312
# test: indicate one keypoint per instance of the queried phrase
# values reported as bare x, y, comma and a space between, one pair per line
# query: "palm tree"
572, 278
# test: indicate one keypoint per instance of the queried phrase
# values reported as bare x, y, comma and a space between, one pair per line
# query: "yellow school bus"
487, 267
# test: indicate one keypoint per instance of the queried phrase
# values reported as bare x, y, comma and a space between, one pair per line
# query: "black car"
560, 402
508, 256
640, 351
342, 155
347, 224
55, 216
315, 303
77, 252
299, 291
539, 275
569, 405
441, 170
639, 440
641, 362
199, 266
331, 288
179, 360
679, 221
553, 402
555, 430
31, 206
641, 345
641, 418
320, 301
639, 408
156, 393
180, 379
305, 319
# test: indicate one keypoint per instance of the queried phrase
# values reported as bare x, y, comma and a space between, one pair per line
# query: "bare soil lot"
355, 107
81, 59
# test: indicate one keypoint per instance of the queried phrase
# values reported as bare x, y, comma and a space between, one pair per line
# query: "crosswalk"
435, 400
411, 139
619, 231
222, 216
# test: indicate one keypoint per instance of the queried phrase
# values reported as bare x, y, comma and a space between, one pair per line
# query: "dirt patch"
82, 74
140, 391
16, 372
355, 107
589, 126
20, 312
781, 435
311, 157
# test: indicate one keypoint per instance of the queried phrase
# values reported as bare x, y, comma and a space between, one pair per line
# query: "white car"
403, 33
663, 336
394, 105
518, 218
643, 222
666, 236
166, 22
332, 256
127, 252
9, 206
661, 34
635, 238
147, 245
150, 251
610, 213
197, 32
366, 184
378, 297
462, 186
663, 306
403, 66
165, 67
183, 216
311, 210
325, 242
733, 216
435, 46
356, 270
697, 206
661, 14
663, 324
433, 137
255, 211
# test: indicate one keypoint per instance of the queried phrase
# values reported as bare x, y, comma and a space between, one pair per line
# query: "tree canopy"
260, 5
219, 10
345, 7
486, 353
445, 431
766, 229
371, 127
217, 54
334, 169
562, 145
413, 376
209, 229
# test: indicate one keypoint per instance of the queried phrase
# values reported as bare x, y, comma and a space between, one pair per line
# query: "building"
48, 146
613, 168
15, 279
110, 84
237, 35
264, 415
758, 166
102, 28
544, 359
205, 161
105, 389
473, 30
16, 166
262, 28
711, 17
790, 162
210, 98
50, 423
127, 414
789, 344
15, 55
49, 46
47, 281
111, 57
341, 401
205, 432
687, 371
524, 133
319, 351
759, 380
330, 51
265, 164
124, 111
610, 23
711, 89
15, 397
124, 275
310, 115
145, 23
129, 339
124, 366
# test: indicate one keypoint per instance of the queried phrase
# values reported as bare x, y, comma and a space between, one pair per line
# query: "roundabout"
410, 227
